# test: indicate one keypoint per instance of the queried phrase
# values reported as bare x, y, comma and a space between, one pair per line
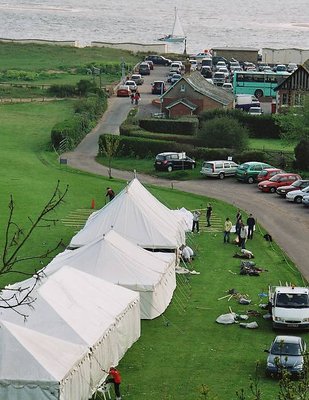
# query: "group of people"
135, 97
243, 233
196, 218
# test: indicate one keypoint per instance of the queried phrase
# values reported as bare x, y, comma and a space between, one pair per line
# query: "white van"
246, 101
219, 168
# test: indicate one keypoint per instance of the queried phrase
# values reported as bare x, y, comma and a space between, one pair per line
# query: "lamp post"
123, 65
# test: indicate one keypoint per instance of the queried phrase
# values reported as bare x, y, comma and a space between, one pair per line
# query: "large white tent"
117, 260
84, 310
137, 216
34, 366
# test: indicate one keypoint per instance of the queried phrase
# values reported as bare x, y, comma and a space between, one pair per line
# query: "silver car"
286, 352
219, 168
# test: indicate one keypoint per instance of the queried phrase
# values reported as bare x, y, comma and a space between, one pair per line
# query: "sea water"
219, 23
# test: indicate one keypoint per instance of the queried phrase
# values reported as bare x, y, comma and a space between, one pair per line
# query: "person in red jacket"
116, 380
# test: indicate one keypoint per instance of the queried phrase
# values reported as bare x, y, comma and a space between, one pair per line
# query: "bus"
256, 83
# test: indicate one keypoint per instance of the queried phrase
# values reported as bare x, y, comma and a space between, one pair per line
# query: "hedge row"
182, 126
260, 127
132, 130
136, 147
66, 135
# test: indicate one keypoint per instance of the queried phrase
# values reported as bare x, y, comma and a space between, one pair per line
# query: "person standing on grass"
238, 223
251, 225
115, 378
110, 193
242, 236
196, 223
227, 230
208, 214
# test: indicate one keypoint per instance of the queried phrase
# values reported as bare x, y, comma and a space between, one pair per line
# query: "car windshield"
263, 173
287, 300
244, 166
296, 183
285, 349
275, 178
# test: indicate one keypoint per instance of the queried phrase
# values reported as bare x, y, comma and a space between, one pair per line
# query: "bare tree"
110, 148
14, 296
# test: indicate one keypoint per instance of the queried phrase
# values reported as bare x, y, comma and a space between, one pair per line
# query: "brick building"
192, 94
291, 91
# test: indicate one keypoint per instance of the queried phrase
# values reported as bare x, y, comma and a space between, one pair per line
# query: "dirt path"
286, 222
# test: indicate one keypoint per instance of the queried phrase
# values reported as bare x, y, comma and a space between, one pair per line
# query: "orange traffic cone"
92, 204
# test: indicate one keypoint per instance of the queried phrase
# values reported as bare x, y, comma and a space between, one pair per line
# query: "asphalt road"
288, 223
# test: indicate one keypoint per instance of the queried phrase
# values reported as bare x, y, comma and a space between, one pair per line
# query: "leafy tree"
84, 87
301, 152
294, 123
224, 132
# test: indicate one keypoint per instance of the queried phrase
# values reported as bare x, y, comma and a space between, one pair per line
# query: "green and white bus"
256, 83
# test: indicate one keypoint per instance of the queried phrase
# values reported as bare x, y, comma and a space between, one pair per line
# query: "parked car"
220, 64
219, 78
286, 352
305, 200
297, 195
123, 91
297, 185
202, 55
173, 161
175, 67
175, 78
225, 71
291, 67
248, 171
267, 173
156, 59
144, 69
228, 86
132, 85
279, 68
193, 64
219, 168
276, 181
137, 78
181, 65
158, 87
207, 62
169, 76
206, 72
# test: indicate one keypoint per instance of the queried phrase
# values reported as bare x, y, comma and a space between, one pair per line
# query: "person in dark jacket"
208, 213
110, 193
251, 225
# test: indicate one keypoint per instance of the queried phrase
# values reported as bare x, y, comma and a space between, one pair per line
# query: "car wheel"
250, 179
221, 175
258, 93
272, 190
298, 199
170, 168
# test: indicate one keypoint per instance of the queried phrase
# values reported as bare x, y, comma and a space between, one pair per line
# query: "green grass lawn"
271, 144
185, 348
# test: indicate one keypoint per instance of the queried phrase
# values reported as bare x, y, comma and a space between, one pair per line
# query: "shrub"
263, 126
182, 126
301, 152
203, 153
62, 90
251, 155
224, 132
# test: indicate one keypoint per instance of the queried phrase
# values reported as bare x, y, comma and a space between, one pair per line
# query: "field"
185, 348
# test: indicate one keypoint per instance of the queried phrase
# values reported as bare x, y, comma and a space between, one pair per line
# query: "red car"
267, 173
297, 185
276, 181
123, 91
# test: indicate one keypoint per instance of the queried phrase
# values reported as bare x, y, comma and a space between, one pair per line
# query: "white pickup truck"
289, 306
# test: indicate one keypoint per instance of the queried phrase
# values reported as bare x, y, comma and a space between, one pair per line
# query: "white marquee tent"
83, 310
30, 369
122, 262
137, 216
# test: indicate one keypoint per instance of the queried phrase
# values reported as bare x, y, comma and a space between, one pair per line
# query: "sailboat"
177, 34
